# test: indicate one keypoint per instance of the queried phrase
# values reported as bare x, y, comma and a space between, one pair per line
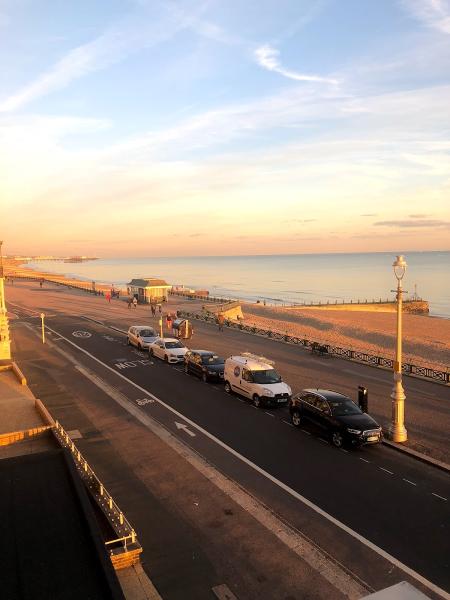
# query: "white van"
254, 377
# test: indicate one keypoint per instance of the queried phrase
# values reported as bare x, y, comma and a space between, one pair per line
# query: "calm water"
290, 278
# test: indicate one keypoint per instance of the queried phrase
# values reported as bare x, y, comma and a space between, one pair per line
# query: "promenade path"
427, 403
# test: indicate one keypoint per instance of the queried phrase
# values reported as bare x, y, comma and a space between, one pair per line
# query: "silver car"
141, 336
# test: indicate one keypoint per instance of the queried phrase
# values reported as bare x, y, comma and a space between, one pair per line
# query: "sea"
282, 279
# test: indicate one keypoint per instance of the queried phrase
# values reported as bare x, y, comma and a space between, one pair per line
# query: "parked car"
169, 349
254, 377
204, 364
141, 336
337, 415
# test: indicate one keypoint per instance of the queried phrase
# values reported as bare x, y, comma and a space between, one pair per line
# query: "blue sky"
224, 127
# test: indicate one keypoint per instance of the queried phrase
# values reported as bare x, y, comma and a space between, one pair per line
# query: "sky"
224, 127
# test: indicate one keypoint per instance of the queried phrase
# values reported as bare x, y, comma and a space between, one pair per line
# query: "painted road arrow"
184, 428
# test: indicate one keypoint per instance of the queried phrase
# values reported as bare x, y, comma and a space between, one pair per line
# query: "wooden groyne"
414, 307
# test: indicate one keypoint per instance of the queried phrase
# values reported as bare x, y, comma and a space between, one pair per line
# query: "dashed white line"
386, 470
408, 481
307, 432
287, 423
343, 450
364, 459
322, 440
268, 413
441, 497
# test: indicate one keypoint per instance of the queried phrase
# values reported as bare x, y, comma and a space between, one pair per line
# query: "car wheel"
337, 439
205, 377
140, 347
296, 418
186, 368
128, 341
228, 387
166, 358
256, 401
150, 351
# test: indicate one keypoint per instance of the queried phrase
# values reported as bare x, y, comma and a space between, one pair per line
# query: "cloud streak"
432, 13
404, 223
267, 57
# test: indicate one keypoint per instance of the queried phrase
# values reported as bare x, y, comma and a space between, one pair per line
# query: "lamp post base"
397, 430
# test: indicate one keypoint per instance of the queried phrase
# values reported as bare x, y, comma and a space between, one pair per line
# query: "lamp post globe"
397, 430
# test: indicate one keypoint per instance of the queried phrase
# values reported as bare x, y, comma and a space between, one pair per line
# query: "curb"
418, 455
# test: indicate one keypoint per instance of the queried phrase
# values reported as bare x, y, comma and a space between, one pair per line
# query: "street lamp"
397, 430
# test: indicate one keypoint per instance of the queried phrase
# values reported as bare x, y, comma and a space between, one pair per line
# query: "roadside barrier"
353, 355
126, 543
76, 286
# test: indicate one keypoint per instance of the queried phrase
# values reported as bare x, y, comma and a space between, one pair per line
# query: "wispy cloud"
413, 223
267, 57
432, 13
109, 48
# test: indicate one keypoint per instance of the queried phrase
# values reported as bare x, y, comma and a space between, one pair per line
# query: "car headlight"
267, 392
355, 431
289, 391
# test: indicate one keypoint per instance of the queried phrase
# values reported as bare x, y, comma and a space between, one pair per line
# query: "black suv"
204, 364
338, 415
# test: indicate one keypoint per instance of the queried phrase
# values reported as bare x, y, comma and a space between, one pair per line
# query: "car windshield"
269, 376
147, 333
344, 407
212, 359
171, 345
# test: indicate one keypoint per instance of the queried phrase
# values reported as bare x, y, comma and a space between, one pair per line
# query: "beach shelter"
148, 289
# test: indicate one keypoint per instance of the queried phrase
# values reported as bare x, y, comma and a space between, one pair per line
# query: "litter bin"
363, 399
182, 329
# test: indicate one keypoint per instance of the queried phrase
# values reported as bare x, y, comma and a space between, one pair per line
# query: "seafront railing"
87, 287
382, 362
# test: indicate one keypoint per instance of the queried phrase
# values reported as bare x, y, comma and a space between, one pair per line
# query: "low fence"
85, 287
353, 355
201, 297
126, 541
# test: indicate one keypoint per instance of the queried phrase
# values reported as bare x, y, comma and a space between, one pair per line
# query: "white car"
141, 336
169, 349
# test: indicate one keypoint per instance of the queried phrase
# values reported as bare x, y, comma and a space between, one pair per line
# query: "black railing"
75, 286
345, 353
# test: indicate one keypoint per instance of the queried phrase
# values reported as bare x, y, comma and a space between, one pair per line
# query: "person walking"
220, 321
153, 309
130, 301
135, 302
108, 297
160, 308
169, 321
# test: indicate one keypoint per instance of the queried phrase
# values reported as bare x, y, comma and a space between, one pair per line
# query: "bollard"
363, 399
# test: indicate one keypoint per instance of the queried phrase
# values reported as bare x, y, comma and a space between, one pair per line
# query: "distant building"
149, 289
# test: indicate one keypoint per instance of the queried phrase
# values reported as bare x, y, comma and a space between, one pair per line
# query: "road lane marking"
322, 440
364, 459
287, 423
383, 553
441, 497
268, 413
81, 334
408, 481
307, 432
386, 470
184, 428
343, 450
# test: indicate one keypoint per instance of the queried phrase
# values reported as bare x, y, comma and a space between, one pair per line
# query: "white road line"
322, 440
441, 497
428, 584
287, 423
364, 459
268, 413
408, 481
307, 432
386, 470
343, 450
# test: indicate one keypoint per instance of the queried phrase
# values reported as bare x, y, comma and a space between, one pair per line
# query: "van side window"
247, 375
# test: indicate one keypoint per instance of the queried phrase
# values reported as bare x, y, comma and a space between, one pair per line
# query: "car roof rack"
258, 358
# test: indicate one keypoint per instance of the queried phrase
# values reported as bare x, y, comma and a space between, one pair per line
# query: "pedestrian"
159, 308
135, 302
153, 309
220, 321
108, 296
129, 302
169, 321
40, 284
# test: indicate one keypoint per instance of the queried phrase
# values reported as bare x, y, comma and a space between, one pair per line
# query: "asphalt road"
377, 495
